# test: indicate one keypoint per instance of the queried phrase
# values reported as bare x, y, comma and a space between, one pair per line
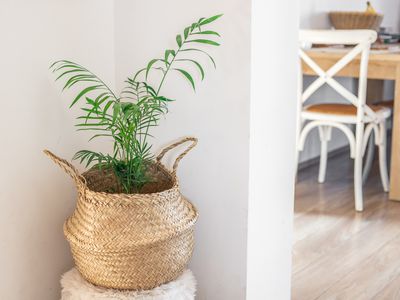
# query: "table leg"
395, 161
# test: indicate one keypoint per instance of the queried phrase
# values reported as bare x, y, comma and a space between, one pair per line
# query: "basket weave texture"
355, 20
130, 241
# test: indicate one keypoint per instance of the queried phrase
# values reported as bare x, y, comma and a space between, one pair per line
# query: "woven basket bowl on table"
130, 241
355, 20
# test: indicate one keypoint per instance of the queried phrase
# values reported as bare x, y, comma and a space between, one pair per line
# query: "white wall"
272, 144
215, 175
35, 195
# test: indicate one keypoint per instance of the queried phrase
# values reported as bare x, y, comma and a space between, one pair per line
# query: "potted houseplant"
132, 228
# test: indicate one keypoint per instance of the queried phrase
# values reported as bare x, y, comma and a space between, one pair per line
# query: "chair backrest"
361, 41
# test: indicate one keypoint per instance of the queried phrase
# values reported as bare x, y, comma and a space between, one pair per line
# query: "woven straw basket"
355, 20
130, 241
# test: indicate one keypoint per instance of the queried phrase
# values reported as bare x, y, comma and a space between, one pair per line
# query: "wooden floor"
338, 253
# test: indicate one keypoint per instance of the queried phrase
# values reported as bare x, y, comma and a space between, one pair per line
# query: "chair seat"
388, 104
341, 112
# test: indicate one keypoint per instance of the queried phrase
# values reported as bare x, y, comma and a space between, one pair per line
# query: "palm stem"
161, 84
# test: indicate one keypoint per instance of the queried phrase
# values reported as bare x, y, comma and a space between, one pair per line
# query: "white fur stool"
74, 287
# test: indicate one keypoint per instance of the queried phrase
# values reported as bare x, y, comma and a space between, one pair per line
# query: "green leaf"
194, 25
90, 101
210, 20
101, 99
197, 64
84, 92
117, 109
137, 74
67, 72
188, 77
90, 124
54, 63
203, 41
179, 40
149, 89
201, 51
107, 107
90, 160
162, 98
93, 118
149, 65
208, 32
92, 129
99, 135
167, 54
65, 66
77, 78
186, 32
126, 106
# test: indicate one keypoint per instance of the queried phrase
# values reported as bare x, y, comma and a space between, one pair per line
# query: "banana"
370, 9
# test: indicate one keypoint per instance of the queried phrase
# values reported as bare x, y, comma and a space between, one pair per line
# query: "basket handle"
182, 155
68, 168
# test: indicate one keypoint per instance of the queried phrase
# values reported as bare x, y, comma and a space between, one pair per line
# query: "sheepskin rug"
74, 287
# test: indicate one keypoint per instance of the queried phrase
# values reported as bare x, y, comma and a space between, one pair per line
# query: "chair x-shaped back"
327, 77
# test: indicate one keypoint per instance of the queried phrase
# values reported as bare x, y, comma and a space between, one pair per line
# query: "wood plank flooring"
338, 253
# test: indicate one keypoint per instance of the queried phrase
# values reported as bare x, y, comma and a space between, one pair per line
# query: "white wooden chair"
324, 116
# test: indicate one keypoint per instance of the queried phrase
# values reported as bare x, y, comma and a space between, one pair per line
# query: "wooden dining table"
383, 65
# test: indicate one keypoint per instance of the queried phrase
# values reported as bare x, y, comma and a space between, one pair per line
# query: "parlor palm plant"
128, 118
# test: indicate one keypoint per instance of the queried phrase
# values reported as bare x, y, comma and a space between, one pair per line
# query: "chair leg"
323, 162
383, 156
369, 159
358, 160
325, 136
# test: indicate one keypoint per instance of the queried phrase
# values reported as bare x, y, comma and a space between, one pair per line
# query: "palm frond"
74, 73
